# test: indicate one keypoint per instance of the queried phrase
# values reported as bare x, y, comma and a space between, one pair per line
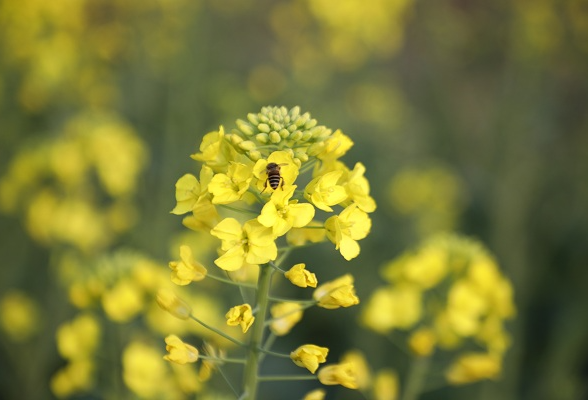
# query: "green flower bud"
301, 155
275, 137
296, 136
247, 145
253, 118
234, 139
306, 136
245, 127
284, 133
311, 123
315, 149
262, 138
254, 155
263, 128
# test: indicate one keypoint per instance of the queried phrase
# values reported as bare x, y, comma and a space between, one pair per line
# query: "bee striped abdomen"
274, 179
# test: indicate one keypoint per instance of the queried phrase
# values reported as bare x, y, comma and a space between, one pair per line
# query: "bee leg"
265, 186
281, 183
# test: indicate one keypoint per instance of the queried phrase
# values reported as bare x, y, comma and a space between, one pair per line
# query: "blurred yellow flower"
253, 243
317, 394
284, 317
390, 308
343, 374
309, 356
79, 338
301, 277
186, 270
346, 228
281, 214
363, 375
386, 385
144, 371
179, 352
19, 315
124, 301
422, 342
240, 315
167, 300
471, 367
337, 293
77, 376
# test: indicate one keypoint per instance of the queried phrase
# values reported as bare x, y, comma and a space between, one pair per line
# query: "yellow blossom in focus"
358, 189
179, 352
289, 168
124, 301
192, 194
240, 315
186, 270
284, 317
253, 243
337, 293
324, 191
346, 228
19, 315
144, 372
362, 370
167, 300
390, 308
422, 342
309, 356
281, 214
317, 394
215, 152
472, 367
230, 187
301, 277
343, 374
78, 338
76, 377
299, 236
386, 386
335, 146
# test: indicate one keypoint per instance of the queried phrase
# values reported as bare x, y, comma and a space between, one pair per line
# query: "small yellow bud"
301, 277
167, 300
422, 342
179, 352
309, 356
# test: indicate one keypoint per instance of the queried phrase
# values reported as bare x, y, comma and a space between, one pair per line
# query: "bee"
274, 179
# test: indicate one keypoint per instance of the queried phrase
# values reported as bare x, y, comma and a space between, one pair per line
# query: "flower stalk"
251, 378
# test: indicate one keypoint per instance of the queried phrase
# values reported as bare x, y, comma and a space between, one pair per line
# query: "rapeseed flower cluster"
448, 295
279, 177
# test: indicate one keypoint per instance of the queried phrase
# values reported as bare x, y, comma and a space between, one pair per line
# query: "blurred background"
470, 117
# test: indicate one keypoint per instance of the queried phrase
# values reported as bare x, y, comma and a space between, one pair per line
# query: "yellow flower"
167, 300
473, 367
143, 371
124, 301
335, 146
230, 187
422, 342
386, 386
76, 377
179, 352
317, 394
215, 151
323, 191
309, 356
284, 317
346, 228
78, 338
389, 308
337, 293
189, 191
358, 189
19, 315
339, 374
465, 306
253, 243
299, 236
186, 270
362, 370
288, 169
240, 315
281, 215
301, 277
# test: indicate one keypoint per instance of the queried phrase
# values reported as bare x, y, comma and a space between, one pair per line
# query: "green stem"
219, 332
223, 360
251, 380
416, 378
239, 210
230, 282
